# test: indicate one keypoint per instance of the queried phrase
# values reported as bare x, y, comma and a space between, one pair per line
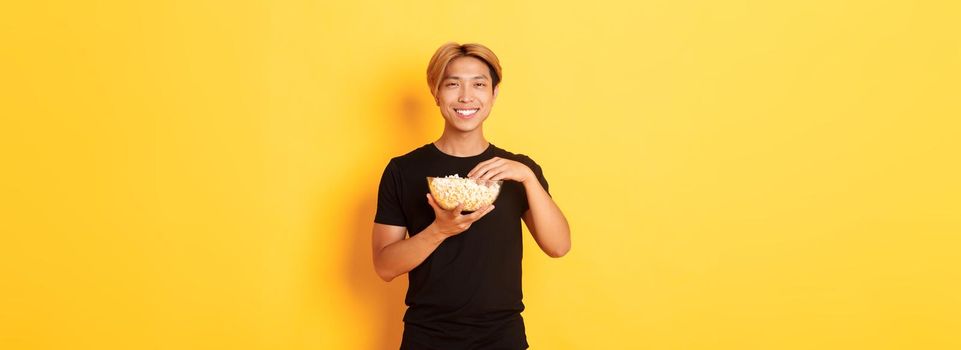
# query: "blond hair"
449, 51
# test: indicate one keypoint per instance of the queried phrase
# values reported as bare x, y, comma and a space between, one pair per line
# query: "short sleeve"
389, 210
539, 173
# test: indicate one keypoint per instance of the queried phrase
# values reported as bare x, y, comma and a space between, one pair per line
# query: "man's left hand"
498, 168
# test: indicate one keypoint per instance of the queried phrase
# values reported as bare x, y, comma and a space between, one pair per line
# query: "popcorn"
450, 190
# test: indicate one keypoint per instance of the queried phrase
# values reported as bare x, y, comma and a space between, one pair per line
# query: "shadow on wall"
402, 122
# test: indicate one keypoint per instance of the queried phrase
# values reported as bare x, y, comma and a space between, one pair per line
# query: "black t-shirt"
467, 293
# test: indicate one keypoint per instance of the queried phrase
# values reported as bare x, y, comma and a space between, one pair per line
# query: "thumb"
459, 208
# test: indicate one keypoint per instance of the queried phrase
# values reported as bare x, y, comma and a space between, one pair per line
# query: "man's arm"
394, 255
545, 220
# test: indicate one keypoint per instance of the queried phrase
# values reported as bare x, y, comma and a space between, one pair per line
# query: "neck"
462, 144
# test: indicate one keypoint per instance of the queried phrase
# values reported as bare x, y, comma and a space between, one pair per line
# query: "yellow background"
737, 174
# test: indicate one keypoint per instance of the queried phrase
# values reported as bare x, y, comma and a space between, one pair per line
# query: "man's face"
465, 96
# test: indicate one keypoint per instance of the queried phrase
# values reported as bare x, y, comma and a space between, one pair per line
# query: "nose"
465, 96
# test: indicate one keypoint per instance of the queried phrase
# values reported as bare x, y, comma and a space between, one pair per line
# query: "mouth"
466, 113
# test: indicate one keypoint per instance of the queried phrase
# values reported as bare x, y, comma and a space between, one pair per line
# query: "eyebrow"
458, 78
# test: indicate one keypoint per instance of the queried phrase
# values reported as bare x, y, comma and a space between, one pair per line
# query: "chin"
462, 128
457, 120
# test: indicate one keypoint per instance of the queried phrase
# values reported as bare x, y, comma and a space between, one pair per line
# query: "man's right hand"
452, 222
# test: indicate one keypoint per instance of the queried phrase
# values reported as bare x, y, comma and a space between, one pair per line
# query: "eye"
451, 84
480, 84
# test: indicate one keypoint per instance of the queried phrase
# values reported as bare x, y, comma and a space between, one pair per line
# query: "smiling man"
464, 269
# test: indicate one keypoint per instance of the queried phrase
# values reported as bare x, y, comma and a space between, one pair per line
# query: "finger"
481, 165
492, 159
493, 172
500, 176
458, 209
486, 167
497, 169
480, 213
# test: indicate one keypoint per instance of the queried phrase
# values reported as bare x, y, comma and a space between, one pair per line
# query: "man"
464, 269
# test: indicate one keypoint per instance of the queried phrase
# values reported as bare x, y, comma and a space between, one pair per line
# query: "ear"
496, 88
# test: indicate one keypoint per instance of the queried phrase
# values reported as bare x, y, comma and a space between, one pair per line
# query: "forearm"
550, 227
402, 256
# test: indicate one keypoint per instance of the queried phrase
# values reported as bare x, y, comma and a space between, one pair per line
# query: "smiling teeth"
466, 112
